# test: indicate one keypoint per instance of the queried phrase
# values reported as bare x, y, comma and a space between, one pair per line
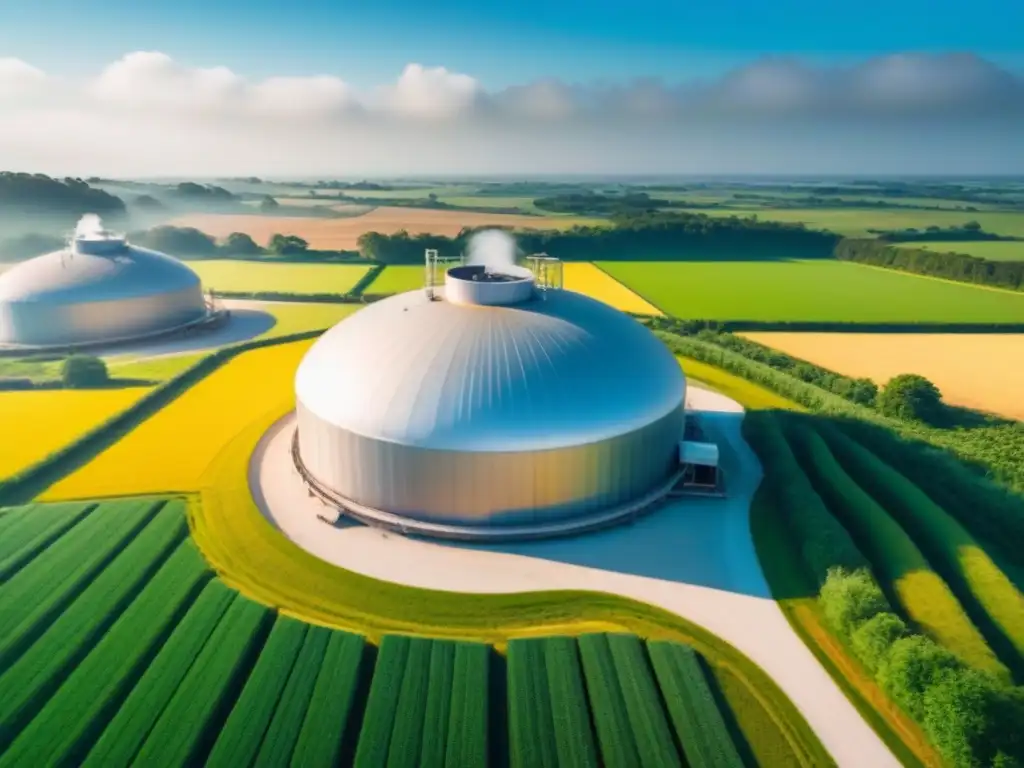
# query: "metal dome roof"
76, 275
548, 373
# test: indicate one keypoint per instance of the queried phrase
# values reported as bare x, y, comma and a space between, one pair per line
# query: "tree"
287, 245
178, 241
912, 398
973, 226
269, 203
850, 598
240, 244
83, 372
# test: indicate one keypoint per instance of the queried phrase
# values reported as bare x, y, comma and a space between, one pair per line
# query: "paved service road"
694, 557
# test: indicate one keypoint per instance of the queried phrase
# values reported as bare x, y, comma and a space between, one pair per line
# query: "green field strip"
366, 280
468, 721
122, 738
607, 704
66, 727
44, 587
187, 727
33, 529
240, 738
283, 733
530, 719
699, 727
46, 663
437, 709
810, 290
901, 567
331, 705
990, 598
653, 735
379, 717
573, 731
407, 734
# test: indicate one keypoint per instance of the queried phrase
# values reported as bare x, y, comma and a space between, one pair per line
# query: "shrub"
916, 663
872, 639
974, 722
84, 371
911, 397
850, 599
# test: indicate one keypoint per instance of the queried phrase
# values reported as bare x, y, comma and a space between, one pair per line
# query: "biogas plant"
99, 289
493, 404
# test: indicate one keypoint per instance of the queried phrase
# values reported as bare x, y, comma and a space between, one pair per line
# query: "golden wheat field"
342, 233
171, 450
583, 277
38, 423
982, 371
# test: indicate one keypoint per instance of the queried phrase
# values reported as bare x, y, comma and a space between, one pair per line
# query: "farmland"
256, 277
990, 250
582, 277
341, 234
914, 560
138, 653
825, 290
397, 278
980, 371
47, 420
855, 222
218, 408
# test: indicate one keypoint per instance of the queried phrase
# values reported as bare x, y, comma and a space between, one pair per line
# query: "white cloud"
432, 92
149, 114
19, 80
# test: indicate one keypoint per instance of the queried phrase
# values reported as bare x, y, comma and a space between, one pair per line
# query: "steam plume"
494, 249
89, 227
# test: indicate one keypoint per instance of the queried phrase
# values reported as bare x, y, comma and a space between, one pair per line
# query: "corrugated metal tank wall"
40, 323
489, 487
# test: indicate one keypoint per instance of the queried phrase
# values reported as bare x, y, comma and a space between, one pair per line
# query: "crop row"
602, 700
123, 648
912, 582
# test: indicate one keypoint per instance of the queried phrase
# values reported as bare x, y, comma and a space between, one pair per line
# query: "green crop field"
119, 646
490, 201
855, 222
396, 279
811, 290
833, 497
899, 564
256, 277
998, 250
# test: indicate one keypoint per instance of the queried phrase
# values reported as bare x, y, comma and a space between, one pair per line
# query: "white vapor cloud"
147, 114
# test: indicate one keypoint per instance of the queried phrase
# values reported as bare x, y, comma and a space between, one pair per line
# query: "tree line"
35, 193
952, 266
641, 237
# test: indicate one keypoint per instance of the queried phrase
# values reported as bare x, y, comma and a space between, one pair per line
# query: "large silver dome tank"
497, 404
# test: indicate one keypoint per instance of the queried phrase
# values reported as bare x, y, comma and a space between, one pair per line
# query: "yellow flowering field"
37, 423
584, 277
171, 450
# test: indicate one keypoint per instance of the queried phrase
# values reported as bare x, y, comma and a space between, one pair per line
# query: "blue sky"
502, 43
747, 86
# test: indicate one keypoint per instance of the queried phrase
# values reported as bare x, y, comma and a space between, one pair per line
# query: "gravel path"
694, 557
